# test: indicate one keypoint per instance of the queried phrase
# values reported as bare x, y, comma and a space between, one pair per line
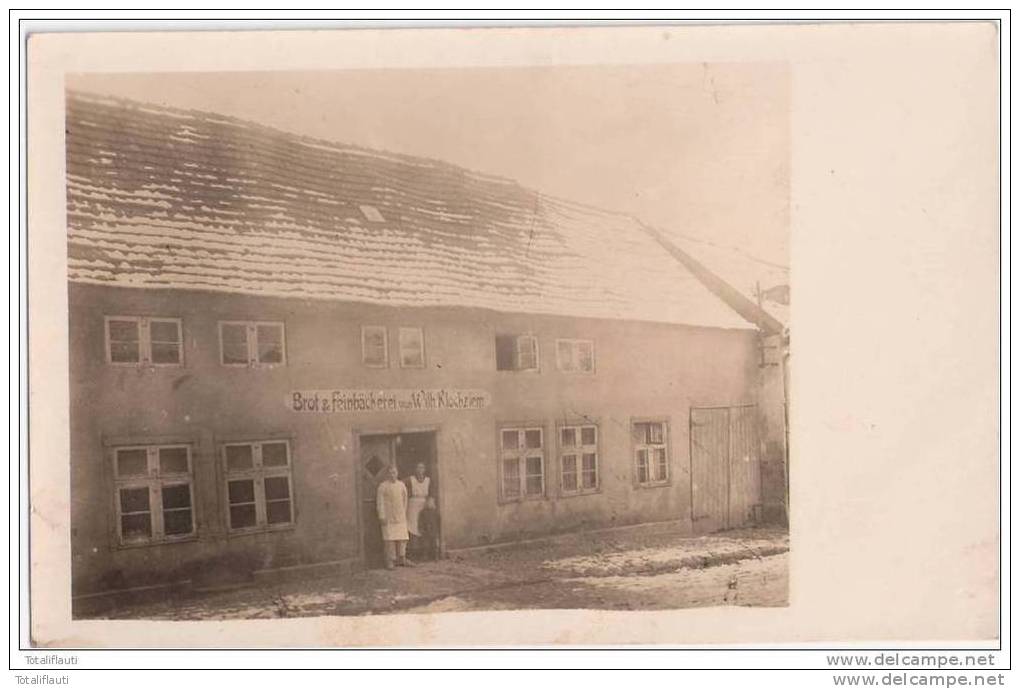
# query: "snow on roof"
163, 198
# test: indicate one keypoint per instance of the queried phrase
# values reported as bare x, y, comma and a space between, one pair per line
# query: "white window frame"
251, 340
257, 475
572, 365
521, 454
520, 339
579, 449
144, 341
154, 481
365, 329
400, 346
648, 448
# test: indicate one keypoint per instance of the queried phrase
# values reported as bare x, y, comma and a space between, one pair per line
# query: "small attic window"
372, 214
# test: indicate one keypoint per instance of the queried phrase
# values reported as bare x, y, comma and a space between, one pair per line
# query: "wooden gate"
725, 468
709, 469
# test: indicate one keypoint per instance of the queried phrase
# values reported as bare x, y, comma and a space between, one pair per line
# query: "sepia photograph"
419, 341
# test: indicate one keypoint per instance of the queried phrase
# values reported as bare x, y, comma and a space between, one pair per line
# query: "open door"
377, 453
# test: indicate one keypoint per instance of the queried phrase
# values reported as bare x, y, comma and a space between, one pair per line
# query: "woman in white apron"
417, 492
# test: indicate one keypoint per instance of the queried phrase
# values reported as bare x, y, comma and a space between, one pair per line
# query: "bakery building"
261, 323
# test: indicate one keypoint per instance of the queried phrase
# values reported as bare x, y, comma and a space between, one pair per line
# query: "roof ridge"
729, 247
344, 147
332, 144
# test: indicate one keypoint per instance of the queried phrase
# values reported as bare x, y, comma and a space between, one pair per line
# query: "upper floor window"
575, 355
579, 459
142, 340
374, 349
516, 353
651, 454
252, 343
258, 478
153, 493
522, 462
412, 347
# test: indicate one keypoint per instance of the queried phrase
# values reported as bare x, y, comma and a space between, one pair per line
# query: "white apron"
391, 504
416, 502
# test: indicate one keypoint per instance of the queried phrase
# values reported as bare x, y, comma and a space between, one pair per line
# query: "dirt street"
642, 568
750, 582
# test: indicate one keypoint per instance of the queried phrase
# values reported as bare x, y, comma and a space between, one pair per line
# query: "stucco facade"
643, 371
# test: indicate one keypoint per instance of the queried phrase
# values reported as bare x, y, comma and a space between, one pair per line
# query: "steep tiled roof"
158, 197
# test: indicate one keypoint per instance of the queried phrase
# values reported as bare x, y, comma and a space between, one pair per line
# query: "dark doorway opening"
378, 452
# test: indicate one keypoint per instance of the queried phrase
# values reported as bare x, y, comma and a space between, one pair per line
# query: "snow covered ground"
644, 568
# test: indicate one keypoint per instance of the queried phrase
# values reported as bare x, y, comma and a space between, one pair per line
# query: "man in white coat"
391, 503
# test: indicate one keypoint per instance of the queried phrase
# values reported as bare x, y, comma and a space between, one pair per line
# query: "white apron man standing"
391, 504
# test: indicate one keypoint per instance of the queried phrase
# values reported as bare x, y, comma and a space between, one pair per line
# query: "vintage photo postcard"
388, 382
385, 346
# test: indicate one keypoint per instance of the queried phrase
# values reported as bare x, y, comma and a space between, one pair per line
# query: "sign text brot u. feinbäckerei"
345, 401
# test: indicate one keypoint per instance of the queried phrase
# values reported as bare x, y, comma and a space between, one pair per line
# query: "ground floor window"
522, 462
579, 459
651, 456
258, 485
154, 495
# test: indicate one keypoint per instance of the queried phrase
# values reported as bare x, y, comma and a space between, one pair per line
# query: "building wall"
642, 370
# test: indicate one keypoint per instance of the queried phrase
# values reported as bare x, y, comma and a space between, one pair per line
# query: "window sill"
656, 484
581, 493
235, 533
253, 366
116, 364
528, 498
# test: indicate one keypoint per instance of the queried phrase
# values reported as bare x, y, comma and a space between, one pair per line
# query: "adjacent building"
260, 323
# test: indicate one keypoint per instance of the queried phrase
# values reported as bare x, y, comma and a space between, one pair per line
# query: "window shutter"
506, 346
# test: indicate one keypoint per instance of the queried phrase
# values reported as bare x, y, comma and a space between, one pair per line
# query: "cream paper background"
895, 316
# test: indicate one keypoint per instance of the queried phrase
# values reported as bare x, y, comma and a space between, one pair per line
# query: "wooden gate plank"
745, 468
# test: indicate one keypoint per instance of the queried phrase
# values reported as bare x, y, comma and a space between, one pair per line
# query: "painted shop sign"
341, 401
